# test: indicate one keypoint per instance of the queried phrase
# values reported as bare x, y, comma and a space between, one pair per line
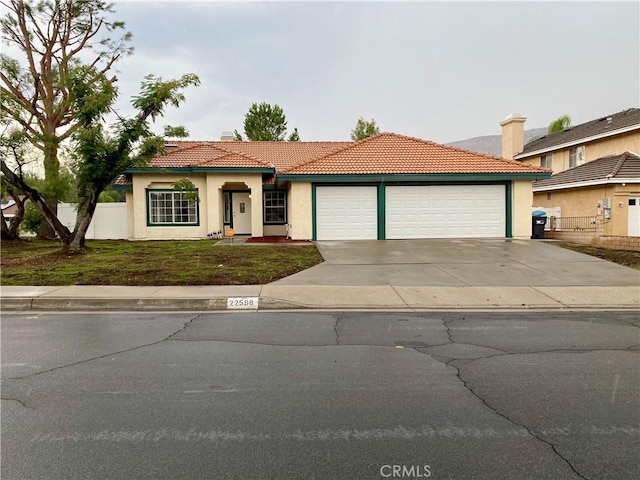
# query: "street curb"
23, 304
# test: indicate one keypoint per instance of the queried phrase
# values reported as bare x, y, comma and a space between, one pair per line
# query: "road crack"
107, 354
336, 330
17, 401
525, 427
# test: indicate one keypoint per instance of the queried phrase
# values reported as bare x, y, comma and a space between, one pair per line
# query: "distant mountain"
492, 144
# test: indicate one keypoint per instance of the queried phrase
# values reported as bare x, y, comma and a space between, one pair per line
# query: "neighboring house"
10, 208
609, 135
595, 174
606, 190
387, 186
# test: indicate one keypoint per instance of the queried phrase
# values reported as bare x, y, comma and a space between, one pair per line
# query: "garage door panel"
346, 213
445, 211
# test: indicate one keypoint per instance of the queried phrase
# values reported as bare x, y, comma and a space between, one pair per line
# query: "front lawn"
623, 257
120, 262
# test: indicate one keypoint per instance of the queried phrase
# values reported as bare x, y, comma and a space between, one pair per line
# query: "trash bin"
538, 223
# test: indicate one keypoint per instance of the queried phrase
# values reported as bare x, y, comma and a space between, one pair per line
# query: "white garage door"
346, 213
445, 211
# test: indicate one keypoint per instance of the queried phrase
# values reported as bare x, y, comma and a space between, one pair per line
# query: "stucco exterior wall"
300, 211
522, 200
252, 182
141, 231
593, 150
275, 230
586, 201
210, 207
128, 198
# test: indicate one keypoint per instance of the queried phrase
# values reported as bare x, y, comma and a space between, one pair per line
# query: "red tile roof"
390, 153
385, 153
278, 155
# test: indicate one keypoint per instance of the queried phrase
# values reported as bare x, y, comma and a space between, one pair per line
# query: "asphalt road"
321, 395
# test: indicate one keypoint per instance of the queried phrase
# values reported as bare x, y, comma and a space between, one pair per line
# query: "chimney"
227, 137
512, 135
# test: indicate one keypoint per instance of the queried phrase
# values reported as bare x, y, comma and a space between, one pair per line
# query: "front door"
241, 203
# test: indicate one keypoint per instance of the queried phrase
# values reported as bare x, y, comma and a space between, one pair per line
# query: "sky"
442, 71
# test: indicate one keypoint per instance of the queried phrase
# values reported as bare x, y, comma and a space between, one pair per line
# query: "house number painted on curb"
242, 302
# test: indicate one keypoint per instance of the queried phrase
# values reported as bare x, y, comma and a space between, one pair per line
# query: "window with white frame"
171, 208
546, 161
275, 207
576, 156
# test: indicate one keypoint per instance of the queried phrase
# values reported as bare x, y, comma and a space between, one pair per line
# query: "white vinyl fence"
108, 223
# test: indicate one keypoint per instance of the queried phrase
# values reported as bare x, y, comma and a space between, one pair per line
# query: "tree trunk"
52, 181
86, 209
34, 196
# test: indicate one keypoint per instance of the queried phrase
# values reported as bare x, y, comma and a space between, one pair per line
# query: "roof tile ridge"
229, 153
464, 150
338, 148
253, 157
215, 144
616, 168
188, 147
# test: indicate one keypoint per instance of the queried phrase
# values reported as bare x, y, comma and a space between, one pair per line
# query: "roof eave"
201, 170
411, 177
631, 128
587, 183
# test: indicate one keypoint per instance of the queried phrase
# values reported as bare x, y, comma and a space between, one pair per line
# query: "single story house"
607, 188
387, 186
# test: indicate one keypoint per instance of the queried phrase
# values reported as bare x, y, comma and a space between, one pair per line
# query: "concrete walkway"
274, 296
389, 275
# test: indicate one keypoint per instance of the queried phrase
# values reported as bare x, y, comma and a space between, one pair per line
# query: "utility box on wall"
606, 207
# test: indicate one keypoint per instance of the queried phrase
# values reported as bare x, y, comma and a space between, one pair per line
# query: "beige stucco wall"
128, 198
586, 201
210, 205
215, 184
163, 181
300, 212
593, 150
275, 230
522, 200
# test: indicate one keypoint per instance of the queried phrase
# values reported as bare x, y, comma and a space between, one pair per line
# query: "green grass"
179, 262
623, 257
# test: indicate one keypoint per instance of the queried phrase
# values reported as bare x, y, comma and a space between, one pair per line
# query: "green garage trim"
382, 196
382, 211
508, 205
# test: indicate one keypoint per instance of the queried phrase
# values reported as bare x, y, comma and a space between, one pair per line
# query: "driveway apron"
459, 263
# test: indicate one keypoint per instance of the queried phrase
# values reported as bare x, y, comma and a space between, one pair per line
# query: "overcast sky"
442, 71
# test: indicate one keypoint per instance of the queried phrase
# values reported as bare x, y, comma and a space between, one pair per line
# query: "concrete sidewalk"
275, 297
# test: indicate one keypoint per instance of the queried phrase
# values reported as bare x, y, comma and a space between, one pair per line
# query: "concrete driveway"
459, 263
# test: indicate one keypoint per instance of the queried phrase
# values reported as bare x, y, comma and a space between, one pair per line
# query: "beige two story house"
596, 177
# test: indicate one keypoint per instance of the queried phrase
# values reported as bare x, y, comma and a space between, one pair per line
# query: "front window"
576, 156
171, 208
275, 207
546, 161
